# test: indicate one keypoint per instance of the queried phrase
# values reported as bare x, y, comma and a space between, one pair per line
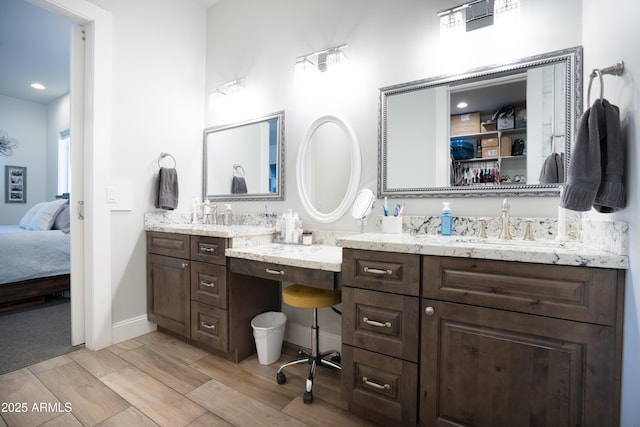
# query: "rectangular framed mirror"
517, 118
245, 161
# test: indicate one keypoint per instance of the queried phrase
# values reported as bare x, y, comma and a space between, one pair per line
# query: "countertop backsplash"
609, 236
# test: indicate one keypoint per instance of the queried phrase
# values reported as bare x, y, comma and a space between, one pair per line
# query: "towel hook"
163, 155
237, 169
595, 73
615, 70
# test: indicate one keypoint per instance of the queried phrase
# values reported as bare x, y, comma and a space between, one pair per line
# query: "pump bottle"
446, 220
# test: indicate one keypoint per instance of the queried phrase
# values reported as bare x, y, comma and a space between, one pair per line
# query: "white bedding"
29, 254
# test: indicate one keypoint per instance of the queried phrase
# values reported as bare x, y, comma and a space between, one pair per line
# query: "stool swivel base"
311, 356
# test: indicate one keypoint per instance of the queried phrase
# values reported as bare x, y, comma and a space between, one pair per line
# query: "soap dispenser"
228, 215
446, 220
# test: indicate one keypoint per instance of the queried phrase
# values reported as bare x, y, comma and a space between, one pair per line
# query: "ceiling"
34, 47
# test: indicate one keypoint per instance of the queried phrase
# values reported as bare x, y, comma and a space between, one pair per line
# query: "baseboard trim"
131, 328
301, 336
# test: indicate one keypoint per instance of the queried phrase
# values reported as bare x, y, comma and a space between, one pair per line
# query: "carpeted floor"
34, 334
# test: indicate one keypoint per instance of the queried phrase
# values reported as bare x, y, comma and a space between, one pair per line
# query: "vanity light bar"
231, 88
322, 60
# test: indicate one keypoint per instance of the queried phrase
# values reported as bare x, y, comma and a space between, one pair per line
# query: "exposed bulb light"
38, 86
322, 61
462, 105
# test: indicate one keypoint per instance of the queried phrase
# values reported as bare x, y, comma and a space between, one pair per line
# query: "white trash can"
268, 331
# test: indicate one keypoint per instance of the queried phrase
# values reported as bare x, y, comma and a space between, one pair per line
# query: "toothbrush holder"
392, 224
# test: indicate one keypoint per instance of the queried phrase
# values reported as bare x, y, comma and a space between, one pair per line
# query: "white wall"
607, 35
389, 43
158, 92
27, 122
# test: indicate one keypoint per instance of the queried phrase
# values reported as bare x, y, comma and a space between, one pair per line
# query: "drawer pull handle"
378, 271
375, 385
276, 272
208, 326
185, 265
207, 249
207, 284
376, 323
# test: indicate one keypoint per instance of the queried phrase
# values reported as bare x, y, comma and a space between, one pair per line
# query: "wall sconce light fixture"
321, 61
476, 14
231, 88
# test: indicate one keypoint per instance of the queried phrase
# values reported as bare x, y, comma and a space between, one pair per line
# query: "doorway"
91, 103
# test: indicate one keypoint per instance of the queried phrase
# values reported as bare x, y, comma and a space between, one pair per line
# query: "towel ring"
595, 73
163, 155
236, 169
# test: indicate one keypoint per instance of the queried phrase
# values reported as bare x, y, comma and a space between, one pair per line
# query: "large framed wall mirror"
245, 161
491, 131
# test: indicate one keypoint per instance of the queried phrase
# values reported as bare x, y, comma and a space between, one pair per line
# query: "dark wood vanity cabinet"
168, 282
380, 335
191, 294
507, 343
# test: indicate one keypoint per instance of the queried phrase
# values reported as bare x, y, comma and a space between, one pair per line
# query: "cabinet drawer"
169, 244
209, 283
208, 249
381, 322
381, 388
284, 273
209, 326
382, 271
566, 292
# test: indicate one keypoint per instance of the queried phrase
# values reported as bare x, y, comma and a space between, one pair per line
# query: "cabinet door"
488, 367
168, 293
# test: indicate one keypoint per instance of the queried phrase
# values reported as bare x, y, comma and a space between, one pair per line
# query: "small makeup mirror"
363, 206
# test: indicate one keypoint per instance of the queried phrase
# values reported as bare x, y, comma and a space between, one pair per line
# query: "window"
64, 162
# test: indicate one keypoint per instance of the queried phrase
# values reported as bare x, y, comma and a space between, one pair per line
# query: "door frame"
91, 277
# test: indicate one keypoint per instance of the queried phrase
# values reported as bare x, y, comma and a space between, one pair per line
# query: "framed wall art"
15, 179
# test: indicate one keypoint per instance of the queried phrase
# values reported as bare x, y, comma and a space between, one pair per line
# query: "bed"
35, 261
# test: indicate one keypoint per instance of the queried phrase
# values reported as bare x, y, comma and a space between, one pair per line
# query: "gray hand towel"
611, 194
552, 171
596, 170
584, 174
167, 189
238, 185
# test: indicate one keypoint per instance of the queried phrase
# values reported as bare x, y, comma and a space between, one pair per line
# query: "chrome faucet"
505, 234
214, 214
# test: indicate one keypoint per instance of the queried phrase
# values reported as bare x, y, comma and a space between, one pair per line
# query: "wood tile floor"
156, 380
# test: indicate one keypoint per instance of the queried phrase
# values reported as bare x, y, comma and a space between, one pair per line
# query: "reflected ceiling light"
323, 60
38, 86
462, 105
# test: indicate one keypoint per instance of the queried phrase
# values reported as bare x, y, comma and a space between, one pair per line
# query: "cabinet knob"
185, 265
429, 311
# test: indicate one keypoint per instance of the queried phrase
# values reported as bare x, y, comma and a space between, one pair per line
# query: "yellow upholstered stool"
309, 297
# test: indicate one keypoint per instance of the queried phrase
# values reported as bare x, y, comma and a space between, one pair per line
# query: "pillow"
26, 219
44, 218
63, 220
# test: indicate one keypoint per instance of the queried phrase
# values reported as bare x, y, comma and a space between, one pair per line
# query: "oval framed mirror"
328, 168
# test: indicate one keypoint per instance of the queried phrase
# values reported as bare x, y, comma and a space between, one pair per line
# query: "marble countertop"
228, 231
538, 251
318, 257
